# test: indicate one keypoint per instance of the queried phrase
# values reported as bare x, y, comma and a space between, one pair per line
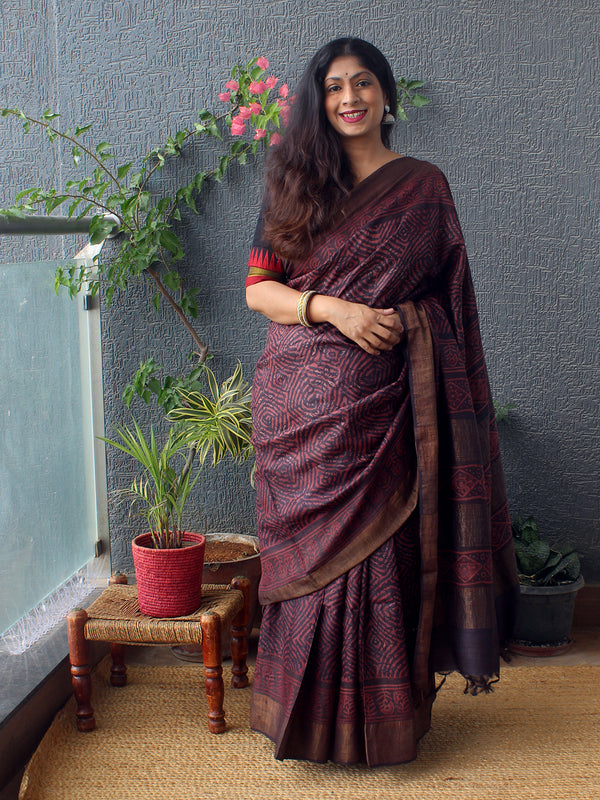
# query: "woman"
385, 538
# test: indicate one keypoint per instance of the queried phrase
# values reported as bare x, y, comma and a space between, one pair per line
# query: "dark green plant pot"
545, 619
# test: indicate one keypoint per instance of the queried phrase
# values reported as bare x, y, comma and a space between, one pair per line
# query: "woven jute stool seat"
115, 617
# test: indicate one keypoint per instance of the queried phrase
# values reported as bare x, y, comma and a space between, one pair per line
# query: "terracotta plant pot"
217, 570
169, 581
226, 559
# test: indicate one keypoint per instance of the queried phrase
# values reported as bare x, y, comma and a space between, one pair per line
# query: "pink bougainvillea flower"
292, 99
255, 108
245, 112
224, 96
260, 133
281, 102
237, 126
275, 139
285, 114
233, 85
283, 90
271, 81
257, 88
262, 63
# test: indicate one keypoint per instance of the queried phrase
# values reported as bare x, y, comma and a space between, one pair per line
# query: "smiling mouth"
353, 116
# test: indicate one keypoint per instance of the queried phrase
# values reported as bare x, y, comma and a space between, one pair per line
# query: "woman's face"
354, 99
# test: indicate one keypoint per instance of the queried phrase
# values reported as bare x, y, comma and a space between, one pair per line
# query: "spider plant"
221, 423
163, 489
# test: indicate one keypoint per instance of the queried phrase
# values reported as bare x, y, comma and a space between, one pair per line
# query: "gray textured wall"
514, 124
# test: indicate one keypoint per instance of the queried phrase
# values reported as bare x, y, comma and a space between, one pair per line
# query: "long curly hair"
308, 172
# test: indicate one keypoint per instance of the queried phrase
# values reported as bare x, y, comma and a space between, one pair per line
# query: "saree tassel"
479, 684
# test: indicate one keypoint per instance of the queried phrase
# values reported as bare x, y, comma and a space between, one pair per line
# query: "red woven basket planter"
169, 581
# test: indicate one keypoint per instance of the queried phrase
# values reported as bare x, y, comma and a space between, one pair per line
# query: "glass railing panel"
48, 524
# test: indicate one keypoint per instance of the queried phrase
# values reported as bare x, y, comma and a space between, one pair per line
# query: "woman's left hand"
373, 329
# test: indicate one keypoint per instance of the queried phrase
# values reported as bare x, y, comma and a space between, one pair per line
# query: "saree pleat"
352, 642
384, 531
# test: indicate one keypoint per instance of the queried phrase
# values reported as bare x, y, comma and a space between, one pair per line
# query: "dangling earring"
388, 119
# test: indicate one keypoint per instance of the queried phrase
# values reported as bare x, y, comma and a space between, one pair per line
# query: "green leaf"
154, 385
156, 301
199, 180
172, 280
419, 101
502, 413
222, 168
531, 557
100, 227
171, 242
143, 199
188, 303
99, 189
123, 170
76, 153
73, 206
25, 193
82, 129
53, 202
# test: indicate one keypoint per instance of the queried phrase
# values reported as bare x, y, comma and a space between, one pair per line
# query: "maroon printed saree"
384, 532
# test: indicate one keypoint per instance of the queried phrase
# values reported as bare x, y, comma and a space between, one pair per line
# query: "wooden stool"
115, 617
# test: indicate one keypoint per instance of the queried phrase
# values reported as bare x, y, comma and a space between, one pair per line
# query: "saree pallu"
384, 532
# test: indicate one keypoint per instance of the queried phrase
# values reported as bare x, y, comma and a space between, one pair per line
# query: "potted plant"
549, 581
168, 561
220, 424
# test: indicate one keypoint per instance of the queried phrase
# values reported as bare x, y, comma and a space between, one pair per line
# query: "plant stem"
188, 464
203, 348
77, 143
92, 201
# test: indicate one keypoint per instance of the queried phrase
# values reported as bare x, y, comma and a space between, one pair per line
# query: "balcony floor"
585, 650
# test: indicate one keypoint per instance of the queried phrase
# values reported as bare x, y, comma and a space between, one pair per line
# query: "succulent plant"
538, 563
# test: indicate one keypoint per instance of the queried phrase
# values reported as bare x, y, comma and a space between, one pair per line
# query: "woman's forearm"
276, 301
373, 329
279, 303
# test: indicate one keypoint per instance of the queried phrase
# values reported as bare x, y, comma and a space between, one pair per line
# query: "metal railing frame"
39, 225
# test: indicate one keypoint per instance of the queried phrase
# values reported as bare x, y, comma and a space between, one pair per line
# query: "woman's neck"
365, 158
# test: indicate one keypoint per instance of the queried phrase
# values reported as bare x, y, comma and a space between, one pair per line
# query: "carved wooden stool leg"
239, 636
213, 671
118, 670
79, 657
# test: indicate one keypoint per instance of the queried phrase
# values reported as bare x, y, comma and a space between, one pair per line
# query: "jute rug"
536, 737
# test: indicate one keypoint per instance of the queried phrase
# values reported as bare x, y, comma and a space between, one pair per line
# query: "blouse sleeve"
263, 264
